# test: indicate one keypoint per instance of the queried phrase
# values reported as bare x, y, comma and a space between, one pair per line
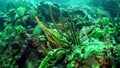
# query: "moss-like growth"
93, 47
117, 53
97, 33
21, 11
42, 38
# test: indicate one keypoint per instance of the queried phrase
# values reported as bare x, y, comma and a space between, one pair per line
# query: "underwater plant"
73, 49
21, 11
97, 33
42, 38
117, 54
64, 37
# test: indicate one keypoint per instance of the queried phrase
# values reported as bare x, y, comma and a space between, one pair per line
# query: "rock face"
46, 8
112, 6
90, 13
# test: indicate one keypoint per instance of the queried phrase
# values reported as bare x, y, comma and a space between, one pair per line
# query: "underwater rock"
112, 6
46, 8
90, 13
21, 11
11, 13
9, 4
25, 21
3, 18
93, 46
37, 30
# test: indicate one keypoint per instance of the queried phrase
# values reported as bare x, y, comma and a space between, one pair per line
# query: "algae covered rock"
97, 33
93, 47
37, 30
21, 11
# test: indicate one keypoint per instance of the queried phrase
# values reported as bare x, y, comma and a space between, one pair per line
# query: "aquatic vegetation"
56, 39
21, 11
117, 54
59, 35
77, 50
97, 33
105, 21
93, 48
52, 57
20, 29
54, 36
10, 37
42, 38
